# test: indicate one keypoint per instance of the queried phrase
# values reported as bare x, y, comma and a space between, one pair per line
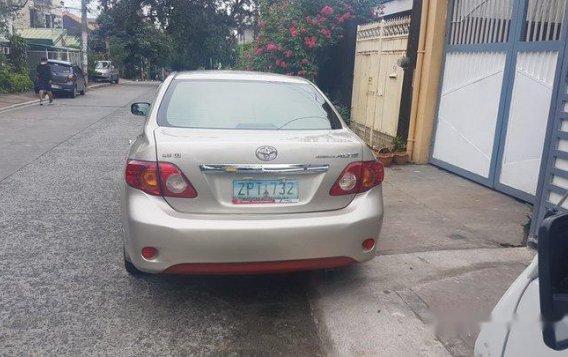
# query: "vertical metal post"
84, 36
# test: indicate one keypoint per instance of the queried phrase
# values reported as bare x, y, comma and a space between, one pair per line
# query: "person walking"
44, 77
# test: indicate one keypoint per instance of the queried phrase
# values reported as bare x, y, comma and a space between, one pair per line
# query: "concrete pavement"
442, 267
18, 100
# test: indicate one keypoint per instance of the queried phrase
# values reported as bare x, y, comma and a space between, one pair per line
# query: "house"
489, 99
72, 23
38, 14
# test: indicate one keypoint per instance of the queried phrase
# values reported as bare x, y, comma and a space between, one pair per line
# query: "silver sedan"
243, 173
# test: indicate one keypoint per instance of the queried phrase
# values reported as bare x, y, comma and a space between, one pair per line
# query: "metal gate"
554, 174
377, 82
500, 64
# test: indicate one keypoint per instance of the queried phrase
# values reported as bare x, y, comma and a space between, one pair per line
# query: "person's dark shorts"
44, 86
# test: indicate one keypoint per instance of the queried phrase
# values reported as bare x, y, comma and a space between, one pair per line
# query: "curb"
31, 102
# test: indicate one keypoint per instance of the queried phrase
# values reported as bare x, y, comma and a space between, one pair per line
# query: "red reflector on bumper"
285, 266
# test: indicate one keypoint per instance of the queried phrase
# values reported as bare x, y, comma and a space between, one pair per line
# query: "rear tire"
83, 91
116, 80
74, 92
131, 269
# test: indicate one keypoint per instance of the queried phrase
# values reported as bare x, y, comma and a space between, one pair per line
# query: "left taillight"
71, 77
159, 179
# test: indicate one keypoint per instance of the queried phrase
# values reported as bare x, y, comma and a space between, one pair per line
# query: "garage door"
500, 64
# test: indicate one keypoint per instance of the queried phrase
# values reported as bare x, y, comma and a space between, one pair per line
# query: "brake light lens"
71, 77
174, 183
358, 177
159, 179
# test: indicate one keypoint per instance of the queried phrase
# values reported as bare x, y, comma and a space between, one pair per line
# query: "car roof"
239, 75
60, 62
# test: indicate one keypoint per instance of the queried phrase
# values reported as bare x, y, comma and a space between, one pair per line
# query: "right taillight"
159, 179
358, 177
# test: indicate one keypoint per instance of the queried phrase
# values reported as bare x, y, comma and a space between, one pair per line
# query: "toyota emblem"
266, 153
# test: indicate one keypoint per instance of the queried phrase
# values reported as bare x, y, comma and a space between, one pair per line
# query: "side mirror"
140, 108
553, 280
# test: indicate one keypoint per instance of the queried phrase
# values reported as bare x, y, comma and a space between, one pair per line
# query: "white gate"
377, 83
500, 65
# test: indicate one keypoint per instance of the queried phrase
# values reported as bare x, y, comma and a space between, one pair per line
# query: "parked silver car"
105, 71
240, 172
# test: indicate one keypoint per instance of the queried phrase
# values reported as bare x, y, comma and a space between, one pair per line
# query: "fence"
34, 58
378, 78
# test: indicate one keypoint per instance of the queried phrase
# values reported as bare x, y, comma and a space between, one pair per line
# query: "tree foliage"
294, 34
181, 34
7, 9
136, 42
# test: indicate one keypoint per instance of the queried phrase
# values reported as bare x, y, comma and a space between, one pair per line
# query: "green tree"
137, 43
295, 35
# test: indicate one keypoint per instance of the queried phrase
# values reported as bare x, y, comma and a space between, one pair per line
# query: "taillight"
71, 77
143, 175
174, 183
161, 179
358, 177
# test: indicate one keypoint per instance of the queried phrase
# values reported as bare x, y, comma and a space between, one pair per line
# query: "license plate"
265, 191
56, 86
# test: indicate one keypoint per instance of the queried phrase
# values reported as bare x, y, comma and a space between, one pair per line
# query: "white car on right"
531, 319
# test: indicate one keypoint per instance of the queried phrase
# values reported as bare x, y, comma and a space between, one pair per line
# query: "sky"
75, 6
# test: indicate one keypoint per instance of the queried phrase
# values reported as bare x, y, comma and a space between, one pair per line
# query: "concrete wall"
427, 79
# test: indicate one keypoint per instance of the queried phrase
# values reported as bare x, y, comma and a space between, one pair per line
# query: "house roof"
91, 22
50, 37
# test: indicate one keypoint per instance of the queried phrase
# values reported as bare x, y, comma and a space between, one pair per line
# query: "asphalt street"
63, 288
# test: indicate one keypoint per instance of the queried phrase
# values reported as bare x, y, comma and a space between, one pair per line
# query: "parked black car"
67, 78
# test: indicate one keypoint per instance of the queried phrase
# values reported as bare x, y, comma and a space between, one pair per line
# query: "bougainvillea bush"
292, 34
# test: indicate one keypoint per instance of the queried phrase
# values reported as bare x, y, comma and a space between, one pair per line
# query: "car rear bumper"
237, 244
62, 87
101, 78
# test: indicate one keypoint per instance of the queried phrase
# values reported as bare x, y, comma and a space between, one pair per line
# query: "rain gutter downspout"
416, 97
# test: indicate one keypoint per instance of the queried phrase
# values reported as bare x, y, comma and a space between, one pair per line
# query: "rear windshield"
209, 104
60, 68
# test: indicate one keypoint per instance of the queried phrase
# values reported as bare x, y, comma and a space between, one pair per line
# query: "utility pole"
84, 37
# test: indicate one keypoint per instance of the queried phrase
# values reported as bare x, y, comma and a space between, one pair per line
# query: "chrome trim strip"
263, 169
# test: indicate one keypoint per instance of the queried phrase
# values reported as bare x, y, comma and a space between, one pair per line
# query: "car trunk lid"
229, 176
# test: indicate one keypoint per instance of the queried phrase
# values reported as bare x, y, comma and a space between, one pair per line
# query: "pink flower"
288, 53
293, 31
259, 51
305, 61
302, 72
278, 62
344, 17
261, 23
283, 64
327, 10
326, 33
311, 42
271, 47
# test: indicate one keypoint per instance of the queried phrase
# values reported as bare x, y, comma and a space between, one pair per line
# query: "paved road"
63, 289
